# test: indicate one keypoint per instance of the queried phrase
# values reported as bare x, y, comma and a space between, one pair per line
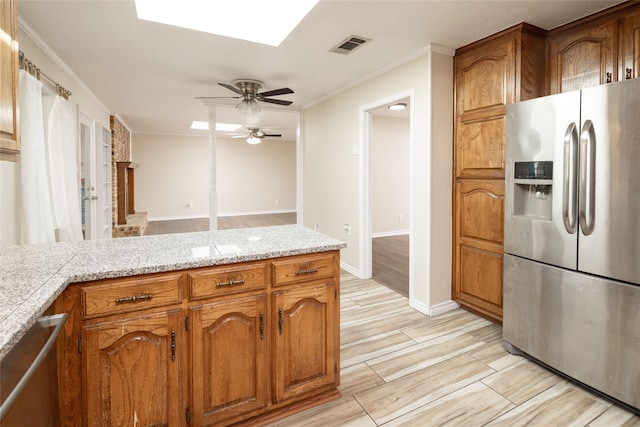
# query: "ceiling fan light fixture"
247, 106
253, 140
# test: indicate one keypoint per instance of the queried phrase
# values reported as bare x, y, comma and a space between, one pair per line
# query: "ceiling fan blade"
231, 88
240, 136
277, 101
218, 97
272, 135
283, 91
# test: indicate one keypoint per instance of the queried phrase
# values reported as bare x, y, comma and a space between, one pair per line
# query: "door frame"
365, 208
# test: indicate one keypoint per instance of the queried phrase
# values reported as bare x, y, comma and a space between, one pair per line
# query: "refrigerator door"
584, 326
609, 242
539, 130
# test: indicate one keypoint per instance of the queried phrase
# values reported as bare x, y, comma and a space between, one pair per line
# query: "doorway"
387, 156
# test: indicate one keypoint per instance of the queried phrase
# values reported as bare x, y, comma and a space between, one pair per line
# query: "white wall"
331, 171
389, 175
44, 58
174, 170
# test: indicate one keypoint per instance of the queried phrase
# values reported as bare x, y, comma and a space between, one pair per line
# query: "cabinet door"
306, 347
132, 369
229, 359
584, 57
630, 46
479, 245
9, 142
485, 84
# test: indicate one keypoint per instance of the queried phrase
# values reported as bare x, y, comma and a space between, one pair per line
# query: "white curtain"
37, 217
63, 171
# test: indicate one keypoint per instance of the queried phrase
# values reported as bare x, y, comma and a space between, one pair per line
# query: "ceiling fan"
256, 135
248, 90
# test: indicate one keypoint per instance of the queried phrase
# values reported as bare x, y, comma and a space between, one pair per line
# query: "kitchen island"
198, 300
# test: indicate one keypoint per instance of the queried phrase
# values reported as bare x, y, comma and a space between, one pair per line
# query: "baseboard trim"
178, 217
443, 307
351, 270
198, 216
256, 213
390, 233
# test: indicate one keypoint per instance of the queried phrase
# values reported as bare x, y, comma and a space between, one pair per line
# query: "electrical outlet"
400, 217
189, 204
347, 229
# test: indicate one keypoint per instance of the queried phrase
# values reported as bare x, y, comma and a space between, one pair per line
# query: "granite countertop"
33, 276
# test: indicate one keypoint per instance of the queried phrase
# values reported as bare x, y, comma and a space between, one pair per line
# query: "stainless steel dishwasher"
28, 377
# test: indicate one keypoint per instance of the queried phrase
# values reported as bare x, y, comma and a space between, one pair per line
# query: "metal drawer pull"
307, 271
230, 283
280, 322
134, 298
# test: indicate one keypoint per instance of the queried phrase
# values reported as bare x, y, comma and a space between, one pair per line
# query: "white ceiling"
150, 74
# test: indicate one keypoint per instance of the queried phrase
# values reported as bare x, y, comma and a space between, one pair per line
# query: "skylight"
261, 21
223, 127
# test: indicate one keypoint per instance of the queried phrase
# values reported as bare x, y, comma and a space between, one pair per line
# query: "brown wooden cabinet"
489, 74
208, 346
229, 357
479, 252
9, 124
584, 57
630, 45
305, 361
132, 370
598, 49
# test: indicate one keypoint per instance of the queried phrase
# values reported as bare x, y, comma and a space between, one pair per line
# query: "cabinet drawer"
217, 281
303, 268
123, 295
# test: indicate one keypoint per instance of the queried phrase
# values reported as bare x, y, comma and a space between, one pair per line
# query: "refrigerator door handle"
569, 181
586, 211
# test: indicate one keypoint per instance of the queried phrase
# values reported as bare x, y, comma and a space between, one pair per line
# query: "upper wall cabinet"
9, 141
630, 46
600, 49
583, 57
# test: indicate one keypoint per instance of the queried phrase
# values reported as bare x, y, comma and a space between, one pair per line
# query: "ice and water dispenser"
533, 189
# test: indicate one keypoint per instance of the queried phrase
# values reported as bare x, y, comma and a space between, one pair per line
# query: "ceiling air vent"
349, 44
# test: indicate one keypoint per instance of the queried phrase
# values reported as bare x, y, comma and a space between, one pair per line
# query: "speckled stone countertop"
33, 276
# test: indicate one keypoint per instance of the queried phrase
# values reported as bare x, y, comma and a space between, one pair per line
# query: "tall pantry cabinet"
489, 74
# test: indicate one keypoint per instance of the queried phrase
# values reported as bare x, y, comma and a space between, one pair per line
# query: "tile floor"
401, 368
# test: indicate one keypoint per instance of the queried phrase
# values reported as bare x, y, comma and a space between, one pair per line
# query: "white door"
104, 199
95, 178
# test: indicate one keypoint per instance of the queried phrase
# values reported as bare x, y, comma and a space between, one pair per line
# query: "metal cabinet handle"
306, 271
586, 211
173, 345
280, 321
134, 298
230, 283
261, 325
569, 190
629, 74
609, 77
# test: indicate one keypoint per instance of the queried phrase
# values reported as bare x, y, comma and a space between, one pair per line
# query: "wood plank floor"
401, 368
390, 262
224, 223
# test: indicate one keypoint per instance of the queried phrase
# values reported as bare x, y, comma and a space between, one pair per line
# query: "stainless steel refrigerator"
572, 236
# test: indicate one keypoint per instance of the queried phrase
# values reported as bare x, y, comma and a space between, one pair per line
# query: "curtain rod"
31, 68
